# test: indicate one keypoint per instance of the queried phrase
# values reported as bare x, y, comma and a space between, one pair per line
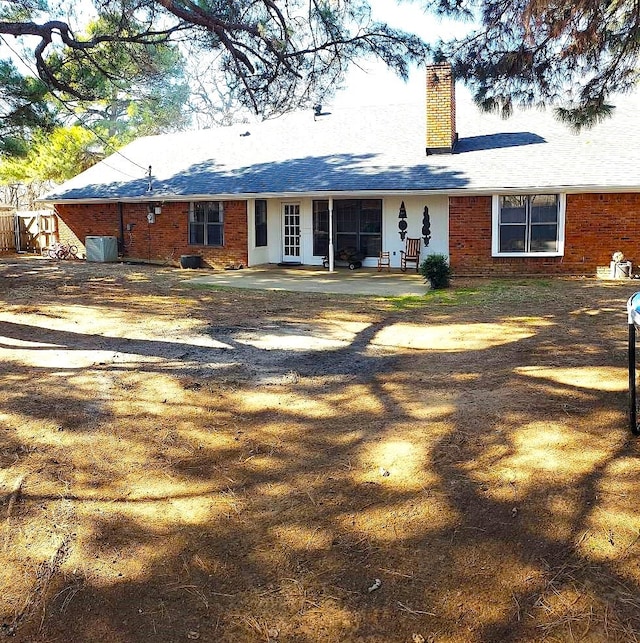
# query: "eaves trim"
470, 191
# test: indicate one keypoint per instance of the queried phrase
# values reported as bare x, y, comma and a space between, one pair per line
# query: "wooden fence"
7, 232
37, 230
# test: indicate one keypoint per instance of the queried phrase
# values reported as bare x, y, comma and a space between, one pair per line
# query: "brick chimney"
441, 109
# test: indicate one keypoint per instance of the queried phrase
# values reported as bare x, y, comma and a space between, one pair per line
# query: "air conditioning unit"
101, 249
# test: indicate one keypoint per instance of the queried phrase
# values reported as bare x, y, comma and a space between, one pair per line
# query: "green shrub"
436, 270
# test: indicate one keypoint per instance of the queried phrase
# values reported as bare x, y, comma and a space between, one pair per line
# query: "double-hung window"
528, 225
206, 223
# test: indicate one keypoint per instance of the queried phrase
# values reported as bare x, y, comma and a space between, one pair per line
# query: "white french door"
291, 232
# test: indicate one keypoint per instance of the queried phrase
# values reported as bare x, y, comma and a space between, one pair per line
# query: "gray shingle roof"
378, 149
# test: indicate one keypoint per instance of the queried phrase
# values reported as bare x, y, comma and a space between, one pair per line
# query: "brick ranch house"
511, 197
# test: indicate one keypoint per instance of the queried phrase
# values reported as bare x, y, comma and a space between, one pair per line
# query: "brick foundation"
165, 240
596, 226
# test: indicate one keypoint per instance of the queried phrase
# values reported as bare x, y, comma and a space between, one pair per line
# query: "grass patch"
481, 294
510, 291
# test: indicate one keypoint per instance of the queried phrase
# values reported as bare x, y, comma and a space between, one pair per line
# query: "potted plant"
436, 270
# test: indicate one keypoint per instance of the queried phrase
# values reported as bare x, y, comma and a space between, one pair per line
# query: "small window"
261, 223
528, 225
206, 223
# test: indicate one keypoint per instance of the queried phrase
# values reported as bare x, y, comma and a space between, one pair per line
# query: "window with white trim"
527, 225
206, 223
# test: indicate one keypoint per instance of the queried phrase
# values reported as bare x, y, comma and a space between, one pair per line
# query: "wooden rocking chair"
411, 254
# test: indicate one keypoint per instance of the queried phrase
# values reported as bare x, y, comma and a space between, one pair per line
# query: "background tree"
23, 109
122, 74
573, 54
133, 91
128, 93
53, 156
271, 55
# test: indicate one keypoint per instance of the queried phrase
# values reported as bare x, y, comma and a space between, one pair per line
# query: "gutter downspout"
121, 227
331, 258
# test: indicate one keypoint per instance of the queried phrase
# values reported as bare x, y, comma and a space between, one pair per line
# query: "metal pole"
633, 311
331, 258
632, 379
121, 228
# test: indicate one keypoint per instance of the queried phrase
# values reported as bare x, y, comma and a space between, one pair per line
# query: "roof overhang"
245, 196
468, 191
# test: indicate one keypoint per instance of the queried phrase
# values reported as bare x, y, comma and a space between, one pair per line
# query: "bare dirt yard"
181, 463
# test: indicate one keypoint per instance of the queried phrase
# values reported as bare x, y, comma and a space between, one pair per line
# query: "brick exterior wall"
596, 226
441, 108
165, 240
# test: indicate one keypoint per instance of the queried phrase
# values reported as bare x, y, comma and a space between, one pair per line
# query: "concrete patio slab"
364, 281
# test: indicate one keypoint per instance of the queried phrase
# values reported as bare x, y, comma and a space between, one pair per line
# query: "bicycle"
62, 251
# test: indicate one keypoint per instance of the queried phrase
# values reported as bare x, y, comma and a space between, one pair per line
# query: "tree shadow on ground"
490, 490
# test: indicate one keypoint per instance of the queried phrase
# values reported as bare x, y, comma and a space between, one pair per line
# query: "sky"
374, 84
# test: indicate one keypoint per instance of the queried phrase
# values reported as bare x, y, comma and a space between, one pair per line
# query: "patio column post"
331, 258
